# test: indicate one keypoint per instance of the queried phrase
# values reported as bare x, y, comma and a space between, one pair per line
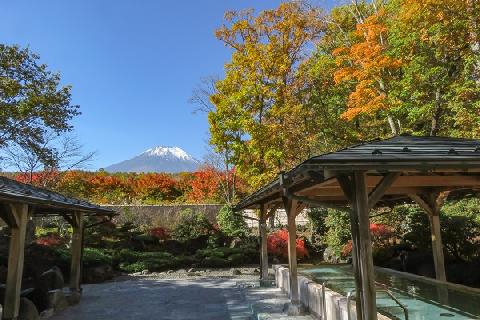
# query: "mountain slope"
158, 159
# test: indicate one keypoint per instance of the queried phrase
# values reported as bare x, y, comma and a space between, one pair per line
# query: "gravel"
246, 273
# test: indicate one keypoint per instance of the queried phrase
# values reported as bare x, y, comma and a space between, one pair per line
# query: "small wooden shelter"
18, 204
423, 170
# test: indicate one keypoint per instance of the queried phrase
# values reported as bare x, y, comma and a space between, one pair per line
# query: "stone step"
269, 303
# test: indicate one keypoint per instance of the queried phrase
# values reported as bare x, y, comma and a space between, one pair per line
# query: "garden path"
144, 298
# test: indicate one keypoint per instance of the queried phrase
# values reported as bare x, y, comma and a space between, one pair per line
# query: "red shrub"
347, 249
50, 240
277, 244
159, 233
380, 231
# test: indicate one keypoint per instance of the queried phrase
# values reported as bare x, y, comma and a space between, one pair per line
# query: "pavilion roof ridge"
15, 190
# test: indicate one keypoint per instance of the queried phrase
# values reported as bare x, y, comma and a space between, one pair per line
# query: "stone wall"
167, 215
280, 218
160, 215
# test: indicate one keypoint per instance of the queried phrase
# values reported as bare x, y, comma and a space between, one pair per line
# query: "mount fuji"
158, 159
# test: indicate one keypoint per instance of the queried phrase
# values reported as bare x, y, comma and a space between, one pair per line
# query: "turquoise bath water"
423, 299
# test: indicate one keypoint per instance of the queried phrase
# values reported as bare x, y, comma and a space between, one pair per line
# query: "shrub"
231, 223
159, 233
277, 244
192, 225
316, 219
51, 240
460, 236
92, 257
338, 232
134, 261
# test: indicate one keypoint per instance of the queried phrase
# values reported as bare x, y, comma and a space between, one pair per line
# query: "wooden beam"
345, 184
76, 252
380, 188
365, 244
422, 203
15, 261
262, 226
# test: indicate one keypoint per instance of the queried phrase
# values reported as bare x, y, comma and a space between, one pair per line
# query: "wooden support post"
347, 185
365, 259
76, 251
18, 227
437, 247
291, 208
262, 224
431, 206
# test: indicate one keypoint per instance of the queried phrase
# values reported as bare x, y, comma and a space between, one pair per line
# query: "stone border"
410, 276
310, 294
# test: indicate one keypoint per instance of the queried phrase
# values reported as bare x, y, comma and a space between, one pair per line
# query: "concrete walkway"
145, 298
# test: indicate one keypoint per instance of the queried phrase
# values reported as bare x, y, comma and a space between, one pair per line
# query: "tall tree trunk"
473, 11
436, 113
393, 126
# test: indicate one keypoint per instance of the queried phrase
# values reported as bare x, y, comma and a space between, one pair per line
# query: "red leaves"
380, 231
204, 184
50, 240
277, 244
160, 233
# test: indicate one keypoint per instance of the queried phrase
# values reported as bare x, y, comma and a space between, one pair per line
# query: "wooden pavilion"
422, 170
18, 204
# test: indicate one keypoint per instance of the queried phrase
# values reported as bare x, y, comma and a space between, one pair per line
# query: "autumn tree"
155, 187
438, 42
204, 186
374, 71
257, 112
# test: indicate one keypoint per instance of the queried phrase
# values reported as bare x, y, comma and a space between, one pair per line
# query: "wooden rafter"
377, 193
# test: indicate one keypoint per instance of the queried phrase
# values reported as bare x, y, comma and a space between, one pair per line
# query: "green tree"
33, 104
231, 223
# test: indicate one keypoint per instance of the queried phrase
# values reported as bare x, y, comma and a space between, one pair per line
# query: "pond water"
423, 299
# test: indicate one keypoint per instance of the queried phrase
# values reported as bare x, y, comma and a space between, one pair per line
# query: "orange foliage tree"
368, 64
204, 185
155, 186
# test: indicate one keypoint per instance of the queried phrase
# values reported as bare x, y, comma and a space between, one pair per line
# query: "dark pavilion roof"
435, 162
45, 201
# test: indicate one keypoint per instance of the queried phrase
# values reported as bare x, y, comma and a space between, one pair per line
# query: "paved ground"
178, 299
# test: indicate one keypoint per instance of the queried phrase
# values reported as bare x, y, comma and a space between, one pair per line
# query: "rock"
235, 272
145, 272
28, 311
57, 300
47, 313
52, 279
97, 274
181, 271
236, 242
73, 297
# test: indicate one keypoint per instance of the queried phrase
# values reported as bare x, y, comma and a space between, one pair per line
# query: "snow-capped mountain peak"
158, 159
161, 151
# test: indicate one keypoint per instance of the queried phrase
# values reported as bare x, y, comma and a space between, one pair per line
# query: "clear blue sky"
132, 65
